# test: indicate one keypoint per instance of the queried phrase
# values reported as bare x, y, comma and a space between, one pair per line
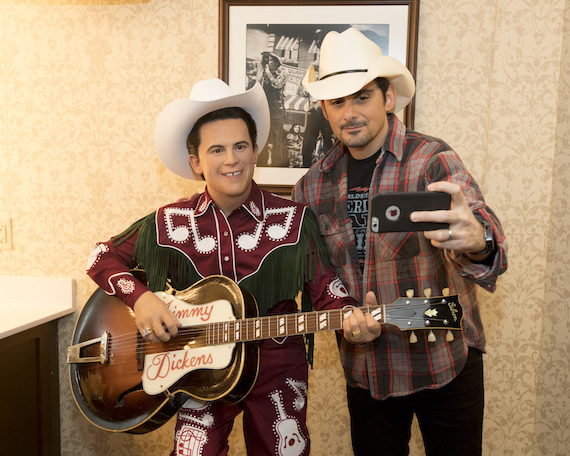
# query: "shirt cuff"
127, 288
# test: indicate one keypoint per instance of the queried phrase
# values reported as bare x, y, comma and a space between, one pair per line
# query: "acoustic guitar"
122, 383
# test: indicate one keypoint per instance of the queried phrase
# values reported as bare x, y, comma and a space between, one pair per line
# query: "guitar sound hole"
121, 398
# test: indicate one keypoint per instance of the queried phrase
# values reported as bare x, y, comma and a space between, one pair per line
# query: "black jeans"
450, 418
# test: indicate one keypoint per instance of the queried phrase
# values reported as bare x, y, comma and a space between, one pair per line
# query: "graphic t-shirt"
359, 177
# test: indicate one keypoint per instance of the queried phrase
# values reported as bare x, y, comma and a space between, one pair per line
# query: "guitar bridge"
74, 352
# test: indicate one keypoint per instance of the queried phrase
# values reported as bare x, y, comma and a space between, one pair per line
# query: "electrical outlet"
5, 234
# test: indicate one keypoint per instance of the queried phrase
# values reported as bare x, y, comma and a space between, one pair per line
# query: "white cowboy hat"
348, 61
179, 117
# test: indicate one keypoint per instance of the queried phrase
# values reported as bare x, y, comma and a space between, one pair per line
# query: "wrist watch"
489, 241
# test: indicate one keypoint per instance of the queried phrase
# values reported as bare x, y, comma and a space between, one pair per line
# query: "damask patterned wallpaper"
81, 84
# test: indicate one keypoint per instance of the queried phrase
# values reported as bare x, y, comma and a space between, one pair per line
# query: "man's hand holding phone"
391, 212
464, 232
442, 213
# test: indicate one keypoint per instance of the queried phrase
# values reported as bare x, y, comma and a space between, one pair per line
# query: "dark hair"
193, 140
383, 85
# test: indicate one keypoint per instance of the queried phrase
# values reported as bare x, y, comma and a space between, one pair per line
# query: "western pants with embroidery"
274, 412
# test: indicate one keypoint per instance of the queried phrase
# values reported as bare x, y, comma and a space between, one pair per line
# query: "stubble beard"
360, 138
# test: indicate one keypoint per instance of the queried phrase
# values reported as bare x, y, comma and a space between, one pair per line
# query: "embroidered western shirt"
397, 262
266, 245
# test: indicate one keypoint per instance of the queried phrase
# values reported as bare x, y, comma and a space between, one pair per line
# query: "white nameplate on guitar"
162, 370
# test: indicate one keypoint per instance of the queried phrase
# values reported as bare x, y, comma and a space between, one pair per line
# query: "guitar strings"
333, 313
198, 330
198, 334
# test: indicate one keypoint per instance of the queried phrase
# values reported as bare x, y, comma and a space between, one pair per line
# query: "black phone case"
390, 212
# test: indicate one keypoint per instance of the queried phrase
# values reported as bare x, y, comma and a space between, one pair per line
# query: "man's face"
226, 159
359, 120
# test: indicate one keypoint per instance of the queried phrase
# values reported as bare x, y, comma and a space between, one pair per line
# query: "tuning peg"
445, 292
427, 292
410, 293
431, 336
413, 338
449, 336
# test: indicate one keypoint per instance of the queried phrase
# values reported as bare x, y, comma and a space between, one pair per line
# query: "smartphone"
390, 212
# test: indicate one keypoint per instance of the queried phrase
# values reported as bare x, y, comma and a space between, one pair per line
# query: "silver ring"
449, 234
357, 334
147, 332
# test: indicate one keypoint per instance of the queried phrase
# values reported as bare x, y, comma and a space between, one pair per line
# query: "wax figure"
269, 245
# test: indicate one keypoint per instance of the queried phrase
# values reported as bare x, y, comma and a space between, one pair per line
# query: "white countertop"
26, 302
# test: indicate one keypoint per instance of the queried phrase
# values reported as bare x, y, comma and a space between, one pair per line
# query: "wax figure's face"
359, 120
226, 159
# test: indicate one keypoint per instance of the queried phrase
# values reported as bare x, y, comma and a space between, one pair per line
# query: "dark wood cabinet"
29, 392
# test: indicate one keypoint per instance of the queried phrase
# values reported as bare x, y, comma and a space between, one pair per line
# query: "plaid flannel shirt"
397, 262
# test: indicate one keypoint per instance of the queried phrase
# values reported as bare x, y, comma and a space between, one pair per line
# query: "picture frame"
285, 35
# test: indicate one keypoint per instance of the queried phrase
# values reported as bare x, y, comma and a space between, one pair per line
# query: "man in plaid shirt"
394, 377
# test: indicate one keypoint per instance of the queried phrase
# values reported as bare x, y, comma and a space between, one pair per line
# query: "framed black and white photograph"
274, 42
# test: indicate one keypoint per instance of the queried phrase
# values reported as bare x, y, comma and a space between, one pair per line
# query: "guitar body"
109, 393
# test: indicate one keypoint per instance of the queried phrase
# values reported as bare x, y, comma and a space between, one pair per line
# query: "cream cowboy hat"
179, 117
348, 61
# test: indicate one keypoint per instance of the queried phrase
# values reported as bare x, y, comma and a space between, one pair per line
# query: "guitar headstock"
441, 312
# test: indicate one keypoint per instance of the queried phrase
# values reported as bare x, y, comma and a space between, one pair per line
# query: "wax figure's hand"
465, 233
360, 328
152, 314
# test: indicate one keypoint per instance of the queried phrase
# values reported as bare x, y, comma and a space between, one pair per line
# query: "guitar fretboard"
250, 329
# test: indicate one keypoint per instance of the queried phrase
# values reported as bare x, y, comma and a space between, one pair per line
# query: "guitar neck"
407, 314
251, 329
